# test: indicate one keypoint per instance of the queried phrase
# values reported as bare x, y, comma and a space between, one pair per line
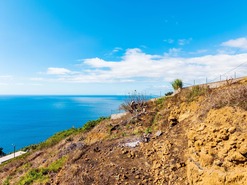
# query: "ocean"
26, 120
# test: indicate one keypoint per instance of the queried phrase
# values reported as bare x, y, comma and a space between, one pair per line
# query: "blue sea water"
26, 120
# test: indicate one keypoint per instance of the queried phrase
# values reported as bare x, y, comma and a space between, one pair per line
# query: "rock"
115, 127
137, 176
218, 162
96, 149
125, 151
234, 156
198, 145
158, 133
173, 168
202, 128
173, 121
178, 165
225, 137
213, 144
206, 159
146, 138
232, 130
243, 149
132, 144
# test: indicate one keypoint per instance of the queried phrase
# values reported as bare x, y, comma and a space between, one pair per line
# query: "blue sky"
118, 46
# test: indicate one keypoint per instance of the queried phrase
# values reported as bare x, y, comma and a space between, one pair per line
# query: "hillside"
198, 136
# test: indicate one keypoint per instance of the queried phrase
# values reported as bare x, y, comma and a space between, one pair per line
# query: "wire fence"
235, 73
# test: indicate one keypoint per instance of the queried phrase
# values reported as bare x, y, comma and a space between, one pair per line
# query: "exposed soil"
175, 141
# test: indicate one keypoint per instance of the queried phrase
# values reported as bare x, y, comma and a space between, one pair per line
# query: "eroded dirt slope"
190, 138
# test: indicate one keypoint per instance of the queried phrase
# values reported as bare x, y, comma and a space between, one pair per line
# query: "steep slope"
198, 136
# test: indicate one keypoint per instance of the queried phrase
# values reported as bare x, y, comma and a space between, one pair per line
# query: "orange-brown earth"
198, 136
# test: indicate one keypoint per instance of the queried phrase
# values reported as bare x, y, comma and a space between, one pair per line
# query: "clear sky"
118, 46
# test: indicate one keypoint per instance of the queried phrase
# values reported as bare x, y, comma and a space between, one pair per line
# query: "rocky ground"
198, 136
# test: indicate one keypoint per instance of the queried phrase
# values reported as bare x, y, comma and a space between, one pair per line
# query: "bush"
197, 91
1, 152
168, 93
135, 102
91, 124
148, 130
56, 138
177, 84
231, 96
59, 136
41, 175
160, 101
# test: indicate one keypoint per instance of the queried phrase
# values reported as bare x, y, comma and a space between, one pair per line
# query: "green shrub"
160, 101
41, 175
56, 138
57, 165
148, 130
59, 136
91, 124
168, 93
6, 181
1, 152
196, 91
34, 175
176, 84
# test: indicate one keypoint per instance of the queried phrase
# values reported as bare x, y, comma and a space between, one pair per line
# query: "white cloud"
57, 71
6, 77
200, 51
169, 41
37, 79
114, 51
3, 84
136, 65
180, 42
183, 42
173, 52
240, 43
117, 49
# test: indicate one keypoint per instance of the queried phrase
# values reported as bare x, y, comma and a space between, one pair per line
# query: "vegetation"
83, 150
1, 152
168, 93
91, 124
160, 101
196, 91
177, 84
236, 97
148, 130
41, 175
56, 138
6, 181
135, 102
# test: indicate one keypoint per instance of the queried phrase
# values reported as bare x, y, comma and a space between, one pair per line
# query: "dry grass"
234, 96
